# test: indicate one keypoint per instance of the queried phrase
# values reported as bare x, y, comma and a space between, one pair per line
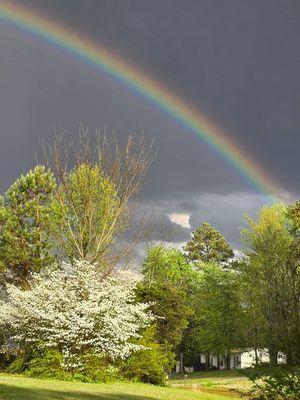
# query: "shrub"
74, 310
275, 384
17, 366
96, 368
149, 365
46, 365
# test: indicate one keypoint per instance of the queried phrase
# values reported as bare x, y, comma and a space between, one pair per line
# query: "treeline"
212, 303
67, 309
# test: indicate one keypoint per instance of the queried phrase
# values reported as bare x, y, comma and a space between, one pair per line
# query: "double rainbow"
101, 58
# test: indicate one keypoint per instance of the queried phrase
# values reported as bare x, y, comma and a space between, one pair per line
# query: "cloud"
226, 212
173, 219
181, 219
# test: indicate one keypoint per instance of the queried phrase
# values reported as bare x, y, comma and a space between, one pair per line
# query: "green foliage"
97, 369
197, 297
41, 364
209, 246
275, 384
293, 214
272, 282
167, 282
218, 317
168, 264
46, 365
87, 214
150, 365
24, 213
17, 366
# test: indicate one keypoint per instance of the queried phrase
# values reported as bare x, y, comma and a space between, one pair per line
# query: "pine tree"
24, 213
209, 246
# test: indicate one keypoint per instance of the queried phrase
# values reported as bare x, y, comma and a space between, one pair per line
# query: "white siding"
248, 358
202, 358
243, 359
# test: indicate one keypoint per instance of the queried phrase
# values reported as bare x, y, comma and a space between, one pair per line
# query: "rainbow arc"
101, 58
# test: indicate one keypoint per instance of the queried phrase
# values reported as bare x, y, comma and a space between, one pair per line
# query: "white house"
242, 358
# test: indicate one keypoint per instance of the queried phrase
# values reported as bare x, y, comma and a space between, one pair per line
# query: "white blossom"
73, 309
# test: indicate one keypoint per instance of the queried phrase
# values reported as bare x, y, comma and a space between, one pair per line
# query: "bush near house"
274, 383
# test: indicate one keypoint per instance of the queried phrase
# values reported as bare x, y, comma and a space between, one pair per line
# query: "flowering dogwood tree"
72, 309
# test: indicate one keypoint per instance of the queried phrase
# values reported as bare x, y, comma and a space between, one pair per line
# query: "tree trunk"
207, 361
227, 358
273, 357
256, 355
256, 342
289, 358
181, 364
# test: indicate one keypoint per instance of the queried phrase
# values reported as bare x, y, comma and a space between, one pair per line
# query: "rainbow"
101, 58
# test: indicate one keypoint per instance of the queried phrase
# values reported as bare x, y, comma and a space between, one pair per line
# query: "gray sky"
237, 61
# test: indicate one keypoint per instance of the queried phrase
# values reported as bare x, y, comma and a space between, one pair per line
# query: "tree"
73, 310
292, 303
209, 246
167, 281
269, 270
24, 214
293, 213
86, 215
218, 319
98, 178
254, 327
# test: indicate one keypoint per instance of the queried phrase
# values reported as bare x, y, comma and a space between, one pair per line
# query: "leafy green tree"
209, 246
218, 320
98, 176
293, 277
293, 213
24, 214
167, 281
87, 215
254, 327
269, 271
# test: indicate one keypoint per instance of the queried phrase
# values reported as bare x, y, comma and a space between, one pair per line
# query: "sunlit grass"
231, 379
14, 387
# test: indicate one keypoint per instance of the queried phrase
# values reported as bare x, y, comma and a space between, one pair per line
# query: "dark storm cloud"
151, 218
226, 212
48, 88
237, 61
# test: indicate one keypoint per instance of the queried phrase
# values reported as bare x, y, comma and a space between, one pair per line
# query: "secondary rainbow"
140, 83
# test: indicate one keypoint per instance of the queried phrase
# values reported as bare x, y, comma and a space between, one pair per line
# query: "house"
177, 368
241, 358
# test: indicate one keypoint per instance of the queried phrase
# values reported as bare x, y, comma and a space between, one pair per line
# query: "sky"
236, 61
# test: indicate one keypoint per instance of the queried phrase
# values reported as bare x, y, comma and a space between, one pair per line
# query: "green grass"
14, 387
213, 379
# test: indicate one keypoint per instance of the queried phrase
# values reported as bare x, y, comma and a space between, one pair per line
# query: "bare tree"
98, 178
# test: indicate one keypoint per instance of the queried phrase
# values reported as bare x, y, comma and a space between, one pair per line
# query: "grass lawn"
214, 380
14, 387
